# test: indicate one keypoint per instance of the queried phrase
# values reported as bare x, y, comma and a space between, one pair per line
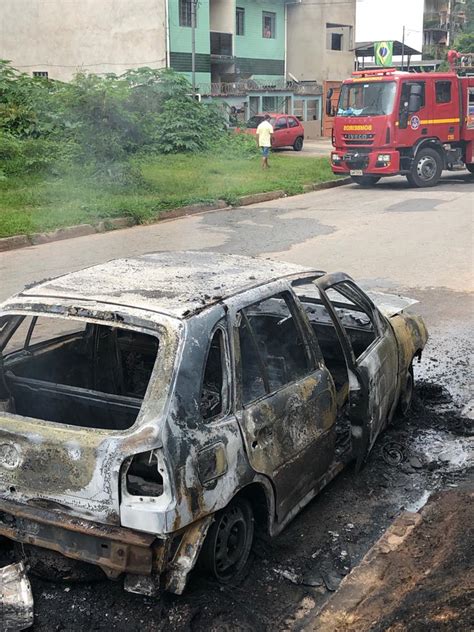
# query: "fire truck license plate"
356, 172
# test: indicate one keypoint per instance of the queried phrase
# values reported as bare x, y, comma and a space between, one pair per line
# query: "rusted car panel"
114, 549
190, 385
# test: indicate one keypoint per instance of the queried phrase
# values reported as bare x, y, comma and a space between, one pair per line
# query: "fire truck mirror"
414, 102
329, 108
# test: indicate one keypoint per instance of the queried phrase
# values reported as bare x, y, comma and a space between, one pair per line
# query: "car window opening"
272, 350
354, 317
77, 373
214, 389
328, 340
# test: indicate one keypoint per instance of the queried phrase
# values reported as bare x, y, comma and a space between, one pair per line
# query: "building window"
338, 36
443, 91
269, 24
43, 74
240, 21
336, 41
186, 12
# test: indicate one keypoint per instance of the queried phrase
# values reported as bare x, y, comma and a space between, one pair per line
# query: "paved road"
390, 237
312, 148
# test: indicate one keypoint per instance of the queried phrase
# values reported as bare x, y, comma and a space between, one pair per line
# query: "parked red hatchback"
287, 130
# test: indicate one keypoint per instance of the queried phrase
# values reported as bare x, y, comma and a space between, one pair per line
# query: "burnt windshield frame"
382, 91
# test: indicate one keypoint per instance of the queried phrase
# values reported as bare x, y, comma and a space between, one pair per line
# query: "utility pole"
193, 44
403, 46
451, 17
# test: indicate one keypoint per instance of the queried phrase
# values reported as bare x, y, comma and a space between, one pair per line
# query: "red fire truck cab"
389, 123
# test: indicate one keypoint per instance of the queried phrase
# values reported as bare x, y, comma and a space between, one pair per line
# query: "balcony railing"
221, 44
241, 88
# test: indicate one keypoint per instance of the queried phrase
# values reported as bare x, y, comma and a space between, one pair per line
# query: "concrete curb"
117, 223
365, 577
256, 198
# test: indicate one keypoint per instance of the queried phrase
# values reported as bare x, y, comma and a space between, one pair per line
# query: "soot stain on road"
415, 205
264, 229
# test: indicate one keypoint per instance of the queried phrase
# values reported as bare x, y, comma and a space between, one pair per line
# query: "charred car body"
158, 408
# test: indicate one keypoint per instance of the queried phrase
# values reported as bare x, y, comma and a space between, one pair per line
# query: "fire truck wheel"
426, 169
365, 181
470, 168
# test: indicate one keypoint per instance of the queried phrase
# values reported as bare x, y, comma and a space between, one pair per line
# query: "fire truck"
399, 123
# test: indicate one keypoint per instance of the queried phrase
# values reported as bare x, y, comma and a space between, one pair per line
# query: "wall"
222, 16
308, 56
63, 37
262, 58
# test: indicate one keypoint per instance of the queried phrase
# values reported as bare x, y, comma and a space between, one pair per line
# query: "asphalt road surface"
414, 241
410, 241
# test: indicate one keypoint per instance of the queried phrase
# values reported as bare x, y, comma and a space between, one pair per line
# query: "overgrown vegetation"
135, 145
100, 121
39, 203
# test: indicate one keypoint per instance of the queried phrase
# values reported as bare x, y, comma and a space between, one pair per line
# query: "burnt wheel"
426, 169
298, 144
365, 181
406, 396
229, 540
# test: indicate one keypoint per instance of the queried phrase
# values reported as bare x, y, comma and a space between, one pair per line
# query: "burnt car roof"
177, 284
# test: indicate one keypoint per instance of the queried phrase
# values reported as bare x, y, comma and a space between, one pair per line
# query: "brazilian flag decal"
383, 52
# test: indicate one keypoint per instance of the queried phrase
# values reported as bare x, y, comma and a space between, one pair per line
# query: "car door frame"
367, 413
284, 133
294, 132
317, 373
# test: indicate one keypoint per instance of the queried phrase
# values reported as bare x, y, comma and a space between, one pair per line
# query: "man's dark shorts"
265, 151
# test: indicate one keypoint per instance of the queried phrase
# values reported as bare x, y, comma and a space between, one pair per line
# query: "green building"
235, 40
262, 55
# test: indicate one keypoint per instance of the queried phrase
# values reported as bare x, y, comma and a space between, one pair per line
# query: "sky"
379, 20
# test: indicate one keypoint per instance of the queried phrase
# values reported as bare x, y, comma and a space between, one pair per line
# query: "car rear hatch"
54, 466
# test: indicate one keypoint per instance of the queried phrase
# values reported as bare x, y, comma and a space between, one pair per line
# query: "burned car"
158, 409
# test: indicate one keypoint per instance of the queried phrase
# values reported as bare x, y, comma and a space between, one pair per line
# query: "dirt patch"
426, 583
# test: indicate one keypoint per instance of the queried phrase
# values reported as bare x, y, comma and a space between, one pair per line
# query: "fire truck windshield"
367, 99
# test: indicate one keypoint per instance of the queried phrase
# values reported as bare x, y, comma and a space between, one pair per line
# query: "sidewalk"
418, 576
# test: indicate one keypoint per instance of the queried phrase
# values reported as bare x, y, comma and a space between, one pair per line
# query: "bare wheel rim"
426, 168
231, 542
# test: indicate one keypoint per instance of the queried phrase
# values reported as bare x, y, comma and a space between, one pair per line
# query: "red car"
287, 130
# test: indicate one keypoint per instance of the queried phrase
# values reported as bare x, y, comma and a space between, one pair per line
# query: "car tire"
227, 547
470, 168
426, 169
298, 144
406, 396
365, 181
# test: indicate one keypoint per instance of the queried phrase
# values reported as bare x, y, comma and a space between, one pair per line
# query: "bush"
235, 145
187, 126
103, 121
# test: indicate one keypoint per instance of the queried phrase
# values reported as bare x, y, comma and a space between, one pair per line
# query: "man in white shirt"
264, 139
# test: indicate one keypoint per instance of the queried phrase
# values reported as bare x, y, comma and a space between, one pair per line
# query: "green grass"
32, 204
